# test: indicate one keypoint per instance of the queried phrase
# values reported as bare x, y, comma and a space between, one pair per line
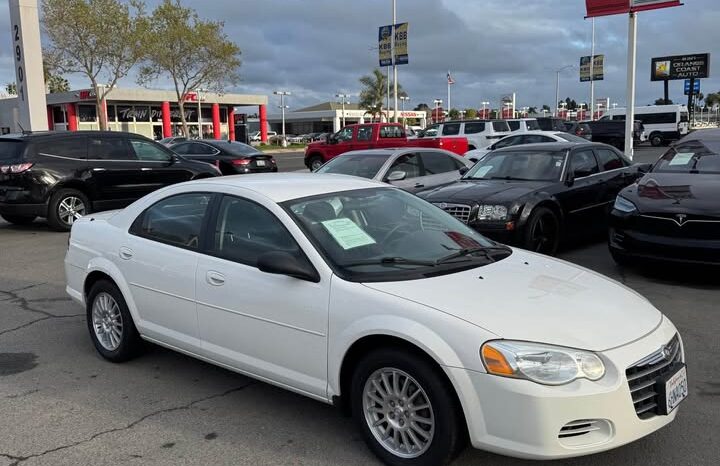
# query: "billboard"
598, 68
385, 44
616, 7
680, 67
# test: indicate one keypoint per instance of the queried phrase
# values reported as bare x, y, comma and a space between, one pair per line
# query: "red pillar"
167, 127
72, 124
50, 118
216, 120
231, 123
263, 124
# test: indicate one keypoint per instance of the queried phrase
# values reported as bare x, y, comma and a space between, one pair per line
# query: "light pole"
557, 85
438, 103
583, 106
484, 106
199, 99
343, 100
282, 95
561, 107
403, 99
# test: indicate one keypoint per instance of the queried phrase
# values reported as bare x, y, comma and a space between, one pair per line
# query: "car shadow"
34, 227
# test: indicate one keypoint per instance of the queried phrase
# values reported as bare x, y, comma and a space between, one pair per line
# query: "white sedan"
527, 137
359, 294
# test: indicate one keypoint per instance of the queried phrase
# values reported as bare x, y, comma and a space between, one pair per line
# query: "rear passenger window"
436, 163
451, 129
391, 132
584, 163
475, 127
364, 133
73, 148
176, 220
100, 148
246, 230
608, 159
514, 125
146, 150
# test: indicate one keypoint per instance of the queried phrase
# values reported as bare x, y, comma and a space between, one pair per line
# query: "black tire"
18, 219
449, 434
542, 232
56, 210
656, 140
315, 162
129, 342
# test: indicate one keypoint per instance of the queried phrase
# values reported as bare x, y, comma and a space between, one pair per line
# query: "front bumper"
523, 419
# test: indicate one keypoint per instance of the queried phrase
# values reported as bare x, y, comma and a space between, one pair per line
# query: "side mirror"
397, 176
283, 263
464, 170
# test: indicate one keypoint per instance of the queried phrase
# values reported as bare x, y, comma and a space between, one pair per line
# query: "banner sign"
385, 44
597, 68
696, 87
616, 7
680, 67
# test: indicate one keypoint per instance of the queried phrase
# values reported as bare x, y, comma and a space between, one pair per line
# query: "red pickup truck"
374, 136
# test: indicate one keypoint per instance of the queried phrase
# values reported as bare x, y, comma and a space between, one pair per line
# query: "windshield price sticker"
682, 158
347, 233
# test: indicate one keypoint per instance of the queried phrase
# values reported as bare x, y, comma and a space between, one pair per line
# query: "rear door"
583, 200
363, 138
439, 169
615, 174
390, 136
114, 172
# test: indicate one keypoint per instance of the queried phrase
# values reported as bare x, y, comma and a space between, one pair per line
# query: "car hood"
536, 298
676, 193
483, 191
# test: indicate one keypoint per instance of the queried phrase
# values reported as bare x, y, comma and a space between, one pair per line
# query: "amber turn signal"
495, 362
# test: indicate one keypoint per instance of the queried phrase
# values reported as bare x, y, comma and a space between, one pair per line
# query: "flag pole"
448, 92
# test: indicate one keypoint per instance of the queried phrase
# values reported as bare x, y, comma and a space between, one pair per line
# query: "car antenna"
21, 128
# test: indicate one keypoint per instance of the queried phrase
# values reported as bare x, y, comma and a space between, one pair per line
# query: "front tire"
18, 219
66, 206
542, 232
656, 140
110, 324
406, 410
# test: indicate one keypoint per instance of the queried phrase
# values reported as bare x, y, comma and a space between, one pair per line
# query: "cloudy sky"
317, 48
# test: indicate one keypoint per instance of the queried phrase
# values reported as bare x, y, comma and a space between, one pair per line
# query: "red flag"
450, 79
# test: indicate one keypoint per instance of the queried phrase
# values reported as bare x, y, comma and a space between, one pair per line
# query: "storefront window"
223, 114
155, 113
87, 113
190, 114
58, 114
142, 113
207, 114
125, 113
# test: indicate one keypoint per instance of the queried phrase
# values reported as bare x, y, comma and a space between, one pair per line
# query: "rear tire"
395, 391
66, 206
656, 140
542, 232
315, 162
110, 324
18, 219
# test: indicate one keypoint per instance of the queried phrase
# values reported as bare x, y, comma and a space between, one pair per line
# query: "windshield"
519, 165
11, 150
363, 165
386, 234
691, 157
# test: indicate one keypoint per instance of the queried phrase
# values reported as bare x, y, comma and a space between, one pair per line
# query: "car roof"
549, 146
69, 134
711, 134
280, 187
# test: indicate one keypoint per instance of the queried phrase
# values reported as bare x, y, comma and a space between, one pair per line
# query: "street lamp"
282, 95
343, 100
403, 98
557, 84
484, 105
509, 108
199, 99
582, 106
438, 103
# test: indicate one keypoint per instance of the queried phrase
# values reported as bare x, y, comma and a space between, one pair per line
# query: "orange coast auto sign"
616, 7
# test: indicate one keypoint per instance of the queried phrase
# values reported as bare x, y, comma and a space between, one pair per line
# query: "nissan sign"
680, 67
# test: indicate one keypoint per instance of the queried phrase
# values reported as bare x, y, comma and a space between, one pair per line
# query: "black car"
62, 176
579, 128
534, 195
230, 157
551, 123
673, 213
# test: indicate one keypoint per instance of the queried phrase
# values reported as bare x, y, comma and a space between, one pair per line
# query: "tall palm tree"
373, 92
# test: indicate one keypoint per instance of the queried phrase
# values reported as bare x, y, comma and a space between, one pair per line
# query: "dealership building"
152, 113
328, 117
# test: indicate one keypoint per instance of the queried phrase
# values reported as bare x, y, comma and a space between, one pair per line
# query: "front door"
272, 326
157, 164
410, 165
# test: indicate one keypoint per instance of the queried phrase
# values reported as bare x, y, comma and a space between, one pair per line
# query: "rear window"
11, 150
532, 125
500, 126
475, 127
72, 147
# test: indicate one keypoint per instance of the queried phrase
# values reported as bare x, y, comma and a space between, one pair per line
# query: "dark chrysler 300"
536, 194
673, 213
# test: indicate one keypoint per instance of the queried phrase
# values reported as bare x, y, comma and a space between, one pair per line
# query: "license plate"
674, 390
260, 163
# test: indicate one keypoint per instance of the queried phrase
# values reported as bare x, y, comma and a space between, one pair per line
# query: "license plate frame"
261, 163
672, 389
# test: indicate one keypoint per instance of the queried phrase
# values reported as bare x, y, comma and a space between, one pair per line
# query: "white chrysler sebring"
362, 295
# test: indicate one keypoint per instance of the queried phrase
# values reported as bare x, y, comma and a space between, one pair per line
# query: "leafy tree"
662, 101
11, 88
712, 99
532, 110
53, 82
546, 108
373, 92
192, 52
101, 39
571, 104
421, 107
454, 114
470, 114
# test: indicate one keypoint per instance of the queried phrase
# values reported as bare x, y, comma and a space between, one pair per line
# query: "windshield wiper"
391, 261
487, 252
509, 178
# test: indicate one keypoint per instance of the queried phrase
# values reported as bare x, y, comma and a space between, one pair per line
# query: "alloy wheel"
398, 412
542, 235
107, 321
70, 209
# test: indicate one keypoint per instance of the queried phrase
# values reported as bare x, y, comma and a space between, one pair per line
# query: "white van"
663, 123
479, 133
523, 125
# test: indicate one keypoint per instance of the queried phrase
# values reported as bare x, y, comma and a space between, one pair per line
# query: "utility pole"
592, 73
631, 67
199, 99
343, 101
394, 62
557, 88
282, 95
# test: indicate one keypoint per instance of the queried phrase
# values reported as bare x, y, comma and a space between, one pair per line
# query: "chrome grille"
459, 211
644, 374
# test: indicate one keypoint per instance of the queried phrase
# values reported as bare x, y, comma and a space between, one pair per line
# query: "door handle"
145, 169
215, 278
126, 253
419, 185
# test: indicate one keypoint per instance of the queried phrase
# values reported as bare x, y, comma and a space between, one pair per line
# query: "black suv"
62, 176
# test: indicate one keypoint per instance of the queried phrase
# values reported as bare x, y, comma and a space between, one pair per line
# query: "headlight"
492, 212
623, 205
544, 364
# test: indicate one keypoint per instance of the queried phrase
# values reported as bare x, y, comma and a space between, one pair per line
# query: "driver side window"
584, 164
408, 163
176, 220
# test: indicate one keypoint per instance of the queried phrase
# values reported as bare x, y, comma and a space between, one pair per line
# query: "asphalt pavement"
61, 404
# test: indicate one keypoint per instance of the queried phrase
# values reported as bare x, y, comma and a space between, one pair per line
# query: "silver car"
413, 169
